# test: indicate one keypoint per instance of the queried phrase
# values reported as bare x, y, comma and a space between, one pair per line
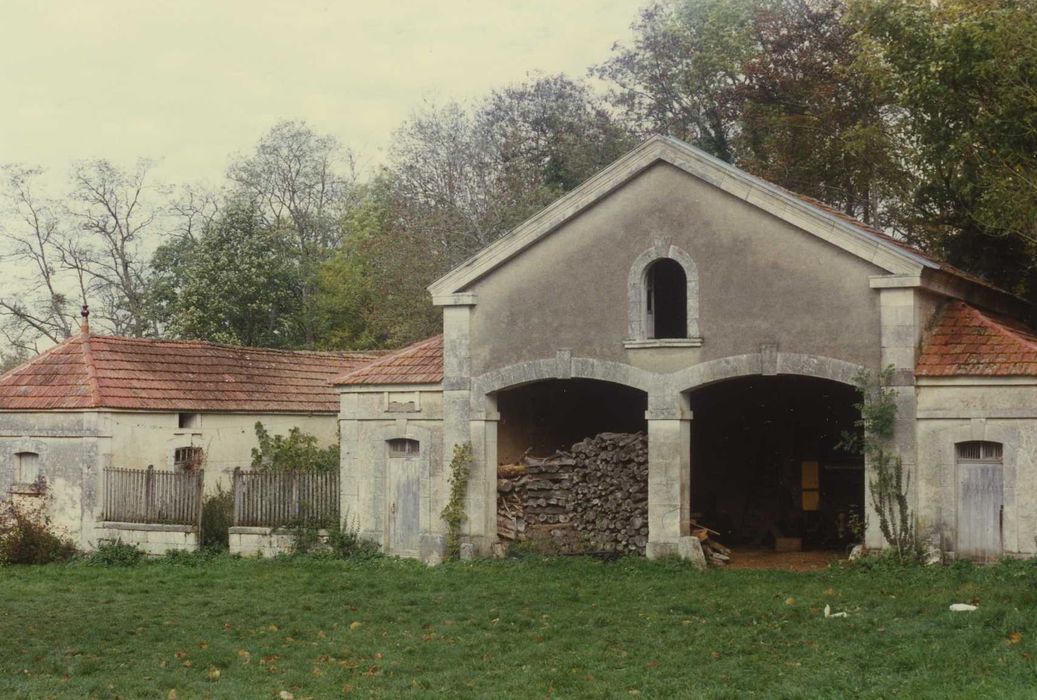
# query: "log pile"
609, 495
595, 494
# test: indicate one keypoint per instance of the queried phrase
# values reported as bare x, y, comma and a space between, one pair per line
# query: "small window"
980, 451
402, 447
26, 467
187, 459
189, 420
666, 300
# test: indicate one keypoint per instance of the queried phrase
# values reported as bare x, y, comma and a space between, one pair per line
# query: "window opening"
187, 458
980, 451
189, 420
666, 293
403, 447
26, 467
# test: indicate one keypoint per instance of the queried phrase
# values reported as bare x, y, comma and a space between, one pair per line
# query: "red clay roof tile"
142, 374
420, 363
969, 342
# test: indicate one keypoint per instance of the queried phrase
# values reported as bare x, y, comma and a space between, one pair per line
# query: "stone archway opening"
572, 471
768, 467
546, 416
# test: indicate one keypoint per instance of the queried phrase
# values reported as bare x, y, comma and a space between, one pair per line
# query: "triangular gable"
869, 245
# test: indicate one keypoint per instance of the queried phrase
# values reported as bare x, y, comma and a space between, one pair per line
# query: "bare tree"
300, 180
111, 211
195, 208
43, 308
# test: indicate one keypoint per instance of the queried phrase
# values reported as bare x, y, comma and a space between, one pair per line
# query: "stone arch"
563, 366
636, 326
765, 363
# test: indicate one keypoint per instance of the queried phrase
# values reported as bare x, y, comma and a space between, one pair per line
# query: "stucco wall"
366, 424
761, 280
140, 439
962, 410
74, 448
71, 447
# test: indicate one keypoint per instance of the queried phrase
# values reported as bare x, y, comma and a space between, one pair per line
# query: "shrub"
297, 451
117, 553
26, 536
217, 518
889, 484
340, 543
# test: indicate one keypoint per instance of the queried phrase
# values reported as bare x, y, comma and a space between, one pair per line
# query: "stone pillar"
482, 486
902, 322
350, 475
669, 476
457, 372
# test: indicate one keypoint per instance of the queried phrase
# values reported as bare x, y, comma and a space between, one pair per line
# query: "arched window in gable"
663, 299
666, 300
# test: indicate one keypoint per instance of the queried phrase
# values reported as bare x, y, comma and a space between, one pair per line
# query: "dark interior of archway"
751, 439
668, 297
551, 415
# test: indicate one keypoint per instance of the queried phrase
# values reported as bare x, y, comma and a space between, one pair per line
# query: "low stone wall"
264, 541
154, 539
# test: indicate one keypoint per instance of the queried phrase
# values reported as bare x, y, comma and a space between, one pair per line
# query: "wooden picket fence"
153, 496
276, 499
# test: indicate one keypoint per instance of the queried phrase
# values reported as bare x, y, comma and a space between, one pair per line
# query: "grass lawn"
514, 628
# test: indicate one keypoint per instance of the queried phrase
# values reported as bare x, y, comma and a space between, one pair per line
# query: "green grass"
516, 628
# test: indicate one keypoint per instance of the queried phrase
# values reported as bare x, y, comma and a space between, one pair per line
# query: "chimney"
84, 325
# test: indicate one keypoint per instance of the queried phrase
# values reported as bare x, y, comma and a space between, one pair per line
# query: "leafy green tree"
372, 294
964, 75
299, 182
813, 117
238, 283
679, 74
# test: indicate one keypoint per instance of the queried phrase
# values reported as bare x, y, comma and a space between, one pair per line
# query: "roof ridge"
91, 369
228, 346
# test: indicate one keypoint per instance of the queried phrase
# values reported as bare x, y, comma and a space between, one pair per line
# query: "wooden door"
404, 476
980, 506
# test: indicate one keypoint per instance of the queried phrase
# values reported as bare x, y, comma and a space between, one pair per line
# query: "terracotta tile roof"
969, 342
420, 363
140, 374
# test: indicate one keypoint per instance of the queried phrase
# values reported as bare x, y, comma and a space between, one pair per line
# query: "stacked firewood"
609, 496
595, 494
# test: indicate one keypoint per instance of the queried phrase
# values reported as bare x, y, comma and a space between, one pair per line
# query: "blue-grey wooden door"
404, 505
980, 504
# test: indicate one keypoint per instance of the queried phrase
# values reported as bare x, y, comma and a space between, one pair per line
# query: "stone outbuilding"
727, 318
99, 401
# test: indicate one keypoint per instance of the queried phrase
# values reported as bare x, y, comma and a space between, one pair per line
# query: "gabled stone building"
99, 401
728, 318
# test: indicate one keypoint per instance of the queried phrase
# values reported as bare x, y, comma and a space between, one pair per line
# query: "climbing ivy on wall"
454, 513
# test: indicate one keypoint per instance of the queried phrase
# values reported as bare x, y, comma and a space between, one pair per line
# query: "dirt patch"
747, 558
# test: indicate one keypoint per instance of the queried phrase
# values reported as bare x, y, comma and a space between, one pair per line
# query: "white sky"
192, 81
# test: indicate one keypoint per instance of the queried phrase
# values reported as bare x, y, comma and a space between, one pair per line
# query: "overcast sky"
192, 81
